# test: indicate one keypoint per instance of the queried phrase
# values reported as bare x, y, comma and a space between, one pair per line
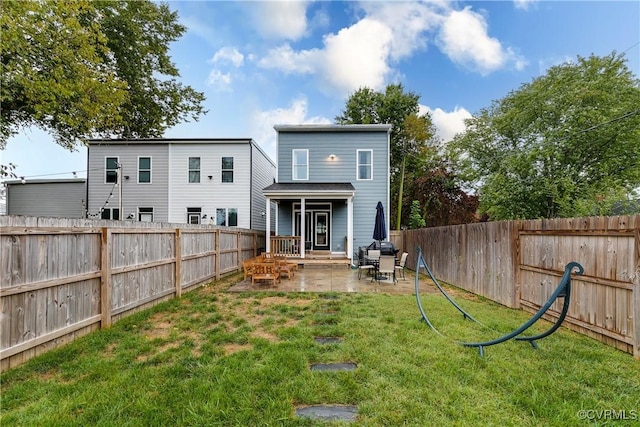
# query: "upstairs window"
144, 170
111, 170
227, 169
300, 165
365, 164
194, 169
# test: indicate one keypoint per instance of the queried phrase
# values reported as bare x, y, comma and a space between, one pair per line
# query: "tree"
91, 69
416, 219
393, 106
441, 199
565, 144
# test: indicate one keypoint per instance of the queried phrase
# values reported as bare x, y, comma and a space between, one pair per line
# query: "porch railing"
288, 246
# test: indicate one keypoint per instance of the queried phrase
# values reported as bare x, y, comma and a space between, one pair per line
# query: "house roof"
333, 128
312, 189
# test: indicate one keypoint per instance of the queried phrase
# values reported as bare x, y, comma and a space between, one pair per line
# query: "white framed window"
145, 214
227, 217
365, 165
109, 213
194, 169
194, 215
227, 169
144, 170
300, 166
111, 170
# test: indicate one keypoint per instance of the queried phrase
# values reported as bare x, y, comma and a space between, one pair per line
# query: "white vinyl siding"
300, 165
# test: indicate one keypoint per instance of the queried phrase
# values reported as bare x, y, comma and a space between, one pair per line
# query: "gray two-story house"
194, 181
330, 179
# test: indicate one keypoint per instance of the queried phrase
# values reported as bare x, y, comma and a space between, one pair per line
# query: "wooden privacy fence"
520, 263
63, 278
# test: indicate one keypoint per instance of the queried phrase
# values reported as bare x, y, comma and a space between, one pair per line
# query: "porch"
289, 247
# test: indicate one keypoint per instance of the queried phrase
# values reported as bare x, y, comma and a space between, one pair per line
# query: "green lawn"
216, 358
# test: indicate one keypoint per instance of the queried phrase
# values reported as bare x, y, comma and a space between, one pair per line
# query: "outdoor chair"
368, 263
387, 266
400, 266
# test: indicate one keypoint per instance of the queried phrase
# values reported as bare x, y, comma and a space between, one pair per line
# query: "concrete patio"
319, 278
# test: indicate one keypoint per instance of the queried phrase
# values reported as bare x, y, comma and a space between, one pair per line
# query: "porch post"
268, 228
349, 247
303, 224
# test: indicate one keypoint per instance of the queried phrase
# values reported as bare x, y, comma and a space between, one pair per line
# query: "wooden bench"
265, 271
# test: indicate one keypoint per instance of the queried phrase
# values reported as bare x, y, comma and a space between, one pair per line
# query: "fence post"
178, 256
516, 226
105, 278
239, 244
217, 255
635, 295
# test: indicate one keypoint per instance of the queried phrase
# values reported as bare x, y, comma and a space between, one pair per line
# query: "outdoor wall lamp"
210, 176
126, 177
332, 156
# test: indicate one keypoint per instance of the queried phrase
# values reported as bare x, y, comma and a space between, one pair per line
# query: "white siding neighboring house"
57, 198
209, 181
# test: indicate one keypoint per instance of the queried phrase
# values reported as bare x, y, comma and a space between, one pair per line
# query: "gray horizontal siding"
48, 199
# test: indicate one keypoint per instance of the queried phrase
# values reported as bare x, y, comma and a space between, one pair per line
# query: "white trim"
189, 169
293, 164
358, 164
138, 170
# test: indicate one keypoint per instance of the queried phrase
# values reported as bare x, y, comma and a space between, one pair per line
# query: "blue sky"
263, 63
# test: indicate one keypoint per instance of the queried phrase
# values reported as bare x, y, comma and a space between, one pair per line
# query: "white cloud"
264, 121
464, 38
523, 4
280, 19
357, 56
228, 55
219, 80
448, 124
285, 59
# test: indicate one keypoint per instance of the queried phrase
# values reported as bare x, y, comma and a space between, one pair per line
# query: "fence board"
519, 263
61, 276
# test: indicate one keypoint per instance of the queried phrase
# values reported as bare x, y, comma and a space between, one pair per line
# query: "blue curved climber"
562, 290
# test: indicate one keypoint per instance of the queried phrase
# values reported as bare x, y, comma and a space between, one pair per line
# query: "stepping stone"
328, 412
328, 340
346, 366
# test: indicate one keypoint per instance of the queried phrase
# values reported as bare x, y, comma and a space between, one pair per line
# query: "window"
145, 214
144, 170
108, 213
193, 215
227, 217
365, 164
300, 164
111, 170
227, 169
194, 169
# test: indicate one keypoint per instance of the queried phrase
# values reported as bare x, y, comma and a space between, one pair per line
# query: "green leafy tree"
396, 107
416, 219
85, 69
565, 144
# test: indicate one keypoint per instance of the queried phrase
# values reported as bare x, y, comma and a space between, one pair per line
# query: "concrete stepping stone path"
328, 412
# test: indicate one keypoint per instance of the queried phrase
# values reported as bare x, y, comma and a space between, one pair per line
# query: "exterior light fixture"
332, 156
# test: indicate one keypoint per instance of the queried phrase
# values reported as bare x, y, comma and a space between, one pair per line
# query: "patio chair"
368, 263
387, 265
400, 266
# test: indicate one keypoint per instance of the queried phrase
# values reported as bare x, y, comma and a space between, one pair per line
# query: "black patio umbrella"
380, 229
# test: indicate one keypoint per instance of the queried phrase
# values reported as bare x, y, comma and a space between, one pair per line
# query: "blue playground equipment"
562, 291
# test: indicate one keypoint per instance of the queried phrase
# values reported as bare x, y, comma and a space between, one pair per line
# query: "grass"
216, 358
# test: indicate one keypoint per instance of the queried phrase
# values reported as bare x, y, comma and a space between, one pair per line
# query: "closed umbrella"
379, 229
